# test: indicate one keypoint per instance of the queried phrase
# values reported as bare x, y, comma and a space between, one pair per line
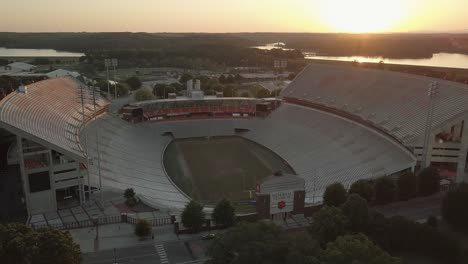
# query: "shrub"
429, 181
329, 223
357, 212
363, 188
385, 190
335, 195
142, 228
455, 208
407, 186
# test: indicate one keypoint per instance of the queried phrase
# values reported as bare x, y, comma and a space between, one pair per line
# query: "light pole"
114, 64
83, 98
107, 63
432, 94
97, 147
111, 63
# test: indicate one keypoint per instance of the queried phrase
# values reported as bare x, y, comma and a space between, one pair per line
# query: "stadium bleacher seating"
320, 147
51, 110
396, 102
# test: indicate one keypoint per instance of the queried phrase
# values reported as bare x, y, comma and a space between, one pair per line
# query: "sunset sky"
234, 16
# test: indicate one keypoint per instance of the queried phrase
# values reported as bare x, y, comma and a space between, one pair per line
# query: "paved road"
418, 209
171, 252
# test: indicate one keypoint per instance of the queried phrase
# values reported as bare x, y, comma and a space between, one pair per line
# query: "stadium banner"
281, 202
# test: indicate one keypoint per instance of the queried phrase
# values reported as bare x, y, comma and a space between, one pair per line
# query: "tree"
263, 93
230, 79
185, 77
55, 247
328, 224
455, 208
262, 243
356, 249
20, 244
407, 186
224, 213
276, 92
222, 79
429, 181
134, 83
143, 95
385, 190
142, 228
335, 194
193, 216
129, 193
122, 90
363, 188
130, 197
229, 91
357, 213
162, 90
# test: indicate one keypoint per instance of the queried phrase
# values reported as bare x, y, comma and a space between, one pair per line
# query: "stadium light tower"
107, 63
97, 146
432, 94
111, 63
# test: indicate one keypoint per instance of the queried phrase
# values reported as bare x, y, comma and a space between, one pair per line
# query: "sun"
360, 16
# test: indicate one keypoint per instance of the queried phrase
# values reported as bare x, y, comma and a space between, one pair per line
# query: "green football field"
220, 167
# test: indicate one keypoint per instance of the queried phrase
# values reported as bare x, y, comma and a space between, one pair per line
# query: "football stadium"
331, 124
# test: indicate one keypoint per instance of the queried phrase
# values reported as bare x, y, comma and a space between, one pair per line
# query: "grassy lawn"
222, 167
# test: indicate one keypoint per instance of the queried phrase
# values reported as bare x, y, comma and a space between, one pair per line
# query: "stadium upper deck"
396, 102
50, 112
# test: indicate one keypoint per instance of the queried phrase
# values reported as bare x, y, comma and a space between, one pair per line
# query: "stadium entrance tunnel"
211, 168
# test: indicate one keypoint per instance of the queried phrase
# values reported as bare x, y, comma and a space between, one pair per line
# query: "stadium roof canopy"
49, 112
395, 102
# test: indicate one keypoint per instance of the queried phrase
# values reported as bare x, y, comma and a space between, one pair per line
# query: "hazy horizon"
241, 16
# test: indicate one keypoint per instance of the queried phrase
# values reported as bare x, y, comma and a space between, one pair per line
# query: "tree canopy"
262, 243
224, 213
429, 181
20, 244
356, 249
407, 186
134, 82
357, 213
193, 216
385, 190
263, 93
328, 224
455, 208
143, 95
363, 188
335, 194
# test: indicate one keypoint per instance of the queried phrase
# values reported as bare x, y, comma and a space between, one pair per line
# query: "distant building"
62, 73
20, 67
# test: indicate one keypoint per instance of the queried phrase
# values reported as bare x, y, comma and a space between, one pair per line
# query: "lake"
451, 60
6, 52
